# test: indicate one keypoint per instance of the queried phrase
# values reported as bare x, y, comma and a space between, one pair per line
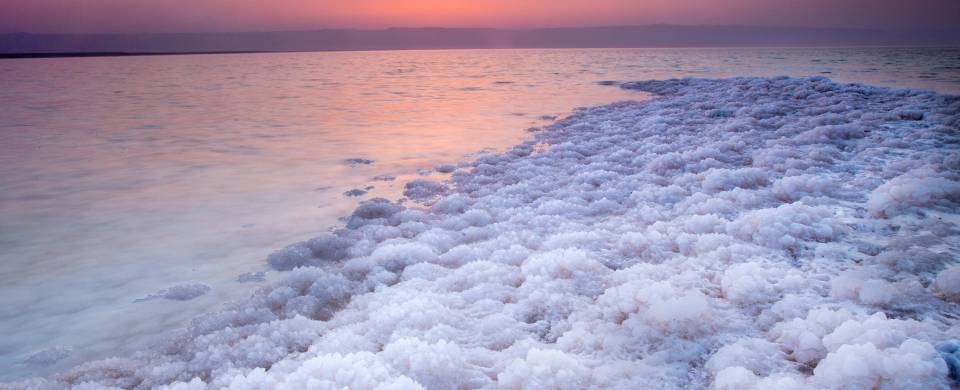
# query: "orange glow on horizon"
265, 15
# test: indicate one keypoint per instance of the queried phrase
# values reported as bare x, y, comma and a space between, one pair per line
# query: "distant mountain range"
462, 38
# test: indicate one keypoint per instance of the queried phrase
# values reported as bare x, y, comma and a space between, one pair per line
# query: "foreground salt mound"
180, 292
742, 233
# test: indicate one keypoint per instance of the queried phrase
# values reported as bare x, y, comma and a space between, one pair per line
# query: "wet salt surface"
806, 238
127, 178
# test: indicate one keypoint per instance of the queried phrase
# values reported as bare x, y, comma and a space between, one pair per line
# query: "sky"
130, 16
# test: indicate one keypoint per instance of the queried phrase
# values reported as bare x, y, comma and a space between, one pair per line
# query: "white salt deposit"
445, 168
787, 233
49, 355
947, 284
180, 292
423, 189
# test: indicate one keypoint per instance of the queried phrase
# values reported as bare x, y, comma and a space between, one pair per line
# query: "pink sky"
261, 15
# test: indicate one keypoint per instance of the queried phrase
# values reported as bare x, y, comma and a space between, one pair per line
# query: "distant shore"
28, 55
640, 36
115, 54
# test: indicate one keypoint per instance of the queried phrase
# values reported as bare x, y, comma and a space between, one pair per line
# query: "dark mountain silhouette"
460, 38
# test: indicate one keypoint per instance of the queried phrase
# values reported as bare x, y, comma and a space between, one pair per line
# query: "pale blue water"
122, 176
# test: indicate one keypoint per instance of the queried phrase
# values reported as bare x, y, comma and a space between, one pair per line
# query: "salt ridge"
738, 233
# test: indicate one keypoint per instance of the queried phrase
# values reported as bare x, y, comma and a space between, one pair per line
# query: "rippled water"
122, 176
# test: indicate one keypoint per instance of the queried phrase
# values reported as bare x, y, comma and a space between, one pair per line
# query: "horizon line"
784, 27
95, 54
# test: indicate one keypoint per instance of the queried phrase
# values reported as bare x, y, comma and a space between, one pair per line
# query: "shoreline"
95, 54
626, 242
28, 55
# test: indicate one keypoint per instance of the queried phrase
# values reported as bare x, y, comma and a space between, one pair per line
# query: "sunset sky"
86, 16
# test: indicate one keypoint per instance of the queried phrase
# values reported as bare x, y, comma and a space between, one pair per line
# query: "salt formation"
179, 292
384, 178
252, 277
355, 192
357, 161
742, 233
49, 355
445, 168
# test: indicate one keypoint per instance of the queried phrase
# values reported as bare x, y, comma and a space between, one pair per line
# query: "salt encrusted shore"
738, 233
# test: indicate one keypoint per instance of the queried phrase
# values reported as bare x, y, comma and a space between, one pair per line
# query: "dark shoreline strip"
115, 54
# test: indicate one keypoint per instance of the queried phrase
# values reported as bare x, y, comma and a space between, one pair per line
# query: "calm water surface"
122, 176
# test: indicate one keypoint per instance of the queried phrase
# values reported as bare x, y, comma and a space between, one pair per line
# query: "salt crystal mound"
445, 168
785, 233
181, 292
49, 356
